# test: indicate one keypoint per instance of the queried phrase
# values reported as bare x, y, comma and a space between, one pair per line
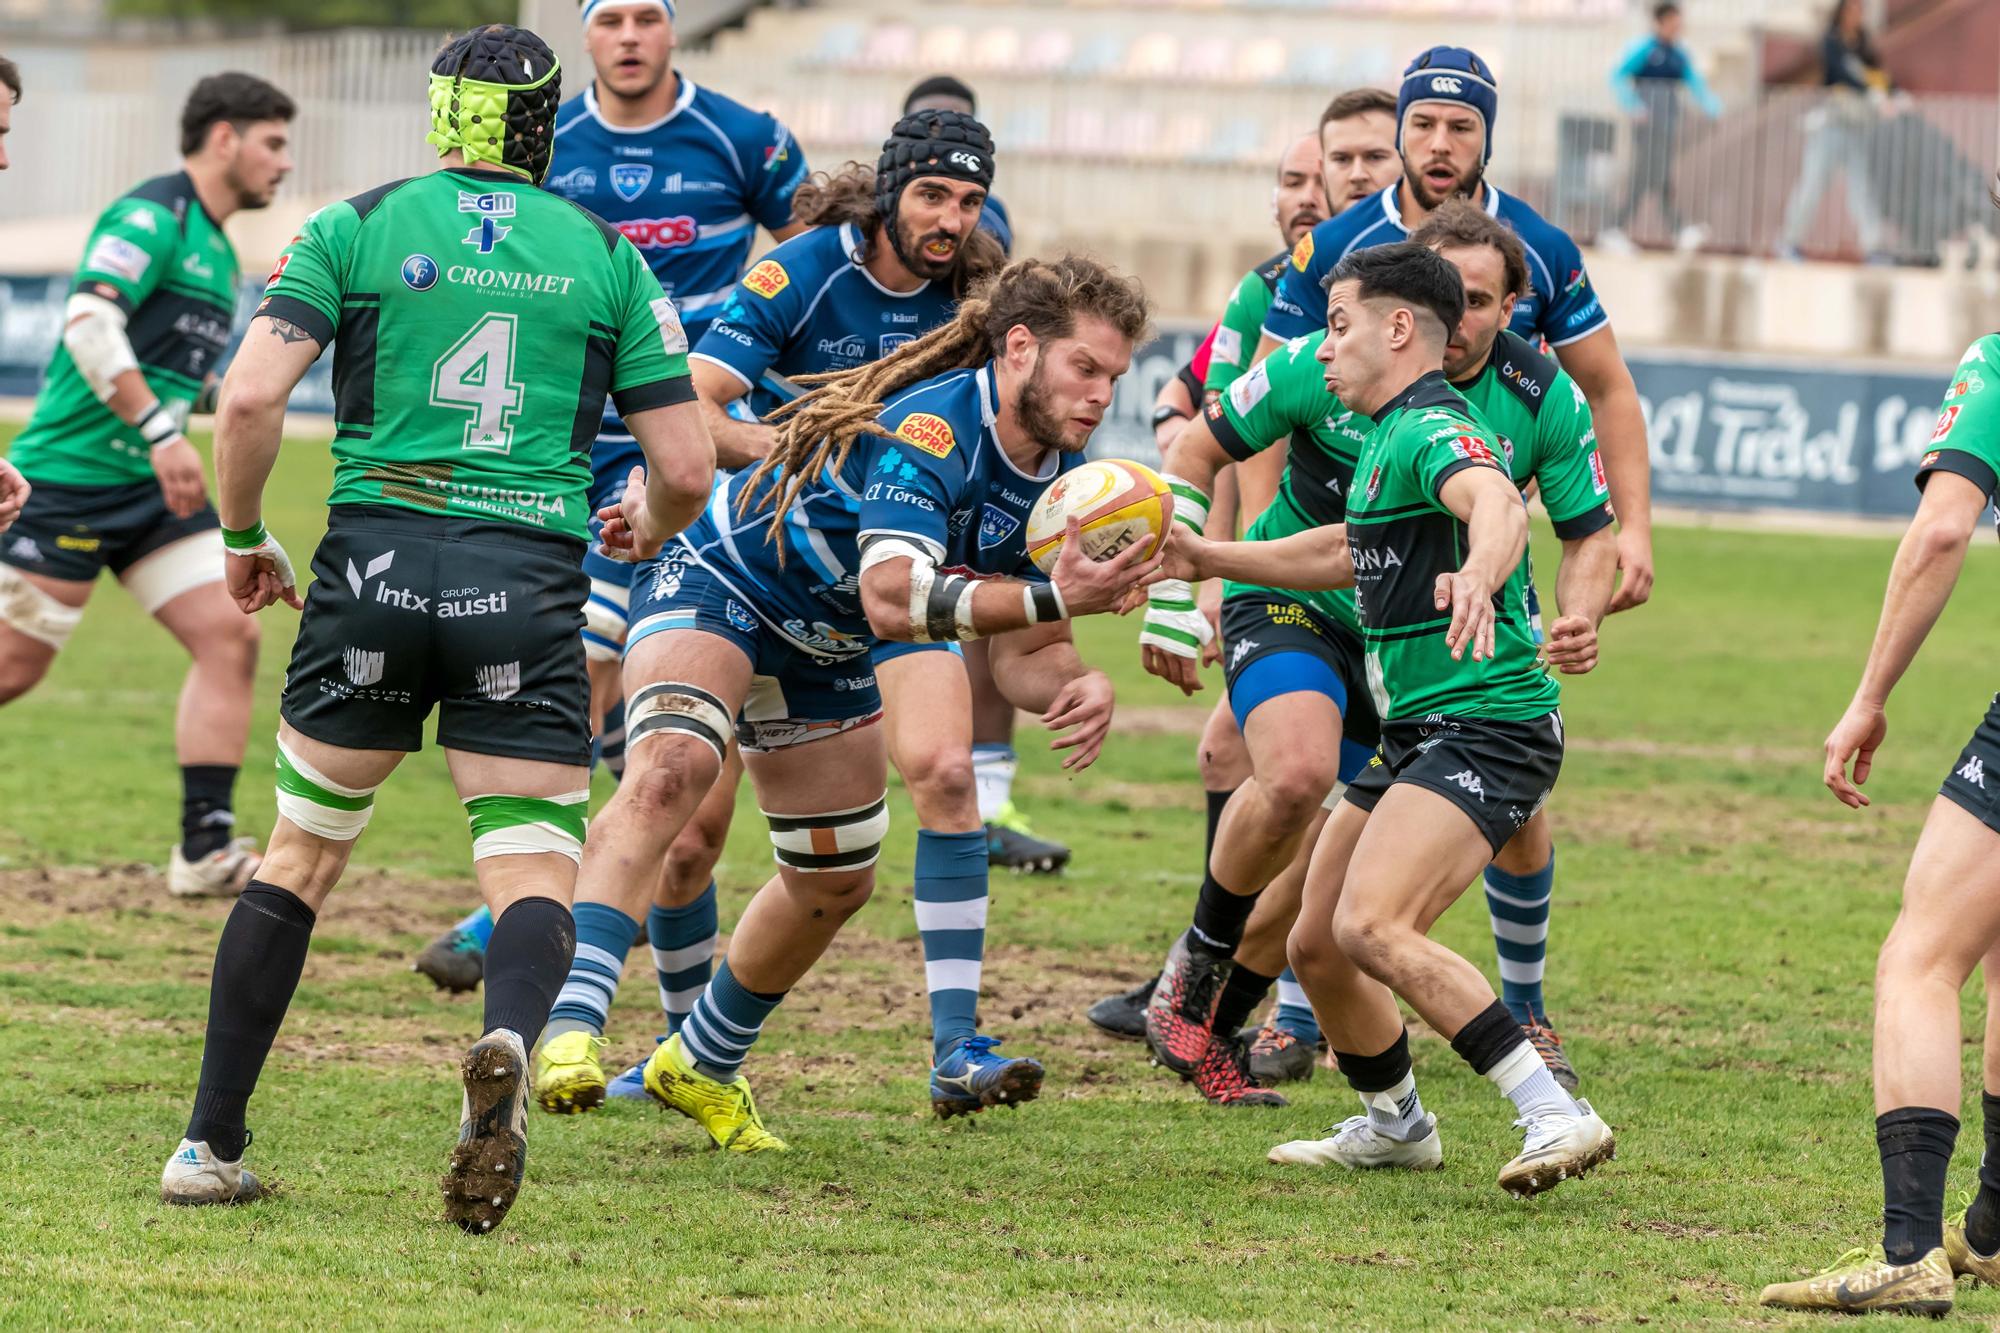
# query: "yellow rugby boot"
568, 1077
1862, 1281
726, 1110
1966, 1261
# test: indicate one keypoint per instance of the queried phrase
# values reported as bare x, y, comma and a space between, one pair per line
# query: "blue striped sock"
724, 1024
611, 740
479, 925
683, 940
1519, 909
951, 917
1295, 1011
604, 936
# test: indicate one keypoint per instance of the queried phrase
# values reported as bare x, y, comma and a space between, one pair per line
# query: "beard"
1421, 188
930, 267
248, 195
1034, 410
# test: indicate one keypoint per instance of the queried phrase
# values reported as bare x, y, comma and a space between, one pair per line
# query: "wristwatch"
1166, 412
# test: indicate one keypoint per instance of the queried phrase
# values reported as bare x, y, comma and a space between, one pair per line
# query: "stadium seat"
995, 50
1098, 55
891, 46
1259, 61
838, 46
1153, 56
1047, 49
942, 47
1208, 61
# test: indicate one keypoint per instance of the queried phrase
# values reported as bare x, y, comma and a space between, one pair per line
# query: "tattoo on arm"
288, 331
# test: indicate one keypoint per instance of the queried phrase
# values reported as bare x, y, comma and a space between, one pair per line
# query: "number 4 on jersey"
477, 375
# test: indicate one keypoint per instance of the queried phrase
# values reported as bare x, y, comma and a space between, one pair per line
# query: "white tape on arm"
94, 333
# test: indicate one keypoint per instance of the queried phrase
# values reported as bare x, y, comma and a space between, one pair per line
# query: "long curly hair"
817, 430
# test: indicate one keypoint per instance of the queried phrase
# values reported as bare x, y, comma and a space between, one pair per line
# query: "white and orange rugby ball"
1116, 502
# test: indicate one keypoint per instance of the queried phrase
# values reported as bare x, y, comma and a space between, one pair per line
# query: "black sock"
1216, 800
1219, 917
1487, 1038
527, 960
1241, 995
1982, 1220
208, 798
1376, 1073
257, 967
1915, 1143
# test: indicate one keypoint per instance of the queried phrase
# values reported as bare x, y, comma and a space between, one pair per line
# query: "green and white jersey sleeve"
1403, 537
1966, 439
158, 256
1242, 326
478, 325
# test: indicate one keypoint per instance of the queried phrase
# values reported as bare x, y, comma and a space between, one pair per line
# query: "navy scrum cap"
1450, 74
932, 143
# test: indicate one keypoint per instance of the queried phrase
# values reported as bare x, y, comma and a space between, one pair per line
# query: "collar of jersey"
851, 245
1395, 214
190, 192
488, 174
989, 415
1402, 400
680, 105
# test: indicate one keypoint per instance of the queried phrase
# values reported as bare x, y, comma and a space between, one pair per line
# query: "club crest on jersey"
420, 273
739, 616
630, 179
1375, 482
767, 279
1946, 420
996, 525
930, 433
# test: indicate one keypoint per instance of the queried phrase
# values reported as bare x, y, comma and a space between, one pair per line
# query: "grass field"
1717, 919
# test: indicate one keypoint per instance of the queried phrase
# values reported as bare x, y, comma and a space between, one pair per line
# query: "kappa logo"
502, 681
357, 577
24, 548
1469, 780
1448, 84
1243, 648
630, 179
1973, 770
363, 667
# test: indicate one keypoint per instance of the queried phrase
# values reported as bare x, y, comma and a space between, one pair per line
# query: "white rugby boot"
223, 873
194, 1175
1557, 1147
1355, 1144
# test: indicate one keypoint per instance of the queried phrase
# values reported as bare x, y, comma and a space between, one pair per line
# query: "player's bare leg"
37, 615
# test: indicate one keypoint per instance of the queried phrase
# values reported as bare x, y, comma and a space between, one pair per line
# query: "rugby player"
837, 297
116, 483
897, 495
1471, 739
13, 486
688, 176
1950, 918
470, 390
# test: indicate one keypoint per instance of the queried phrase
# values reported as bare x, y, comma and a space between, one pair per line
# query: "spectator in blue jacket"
1652, 83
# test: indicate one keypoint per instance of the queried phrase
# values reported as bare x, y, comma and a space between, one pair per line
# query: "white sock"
1396, 1113
993, 768
1524, 1080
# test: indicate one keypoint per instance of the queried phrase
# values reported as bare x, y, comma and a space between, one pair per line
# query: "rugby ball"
1116, 502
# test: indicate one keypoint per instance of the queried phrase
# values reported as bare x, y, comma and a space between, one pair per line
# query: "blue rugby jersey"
689, 190
1560, 306
810, 306
942, 480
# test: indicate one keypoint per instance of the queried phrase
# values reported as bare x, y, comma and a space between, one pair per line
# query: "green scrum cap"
494, 93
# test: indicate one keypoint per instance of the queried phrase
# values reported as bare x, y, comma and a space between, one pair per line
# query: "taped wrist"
1190, 505
1043, 604
157, 425
245, 539
947, 609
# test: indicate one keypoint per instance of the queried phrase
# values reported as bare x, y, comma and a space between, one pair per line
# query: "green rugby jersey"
1543, 424
1242, 326
478, 324
1966, 439
157, 255
1403, 537
1285, 395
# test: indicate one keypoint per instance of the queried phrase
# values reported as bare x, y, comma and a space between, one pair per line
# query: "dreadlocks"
816, 431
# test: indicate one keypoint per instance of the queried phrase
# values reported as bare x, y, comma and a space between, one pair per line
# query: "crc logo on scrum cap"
1448, 83
960, 158
420, 273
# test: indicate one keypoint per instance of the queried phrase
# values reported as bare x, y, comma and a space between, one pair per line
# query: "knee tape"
605, 615
527, 825
30, 611
836, 841
672, 706
160, 576
319, 805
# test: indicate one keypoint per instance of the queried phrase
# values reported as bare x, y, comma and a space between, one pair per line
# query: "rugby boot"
1863, 1281
195, 1175
1124, 1015
1542, 1036
1223, 1076
726, 1110
454, 961
1966, 1261
568, 1076
1276, 1056
1012, 846
223, 873
1359, 1146
1556, 1147
484, 1174
972, 1077
1180, 1017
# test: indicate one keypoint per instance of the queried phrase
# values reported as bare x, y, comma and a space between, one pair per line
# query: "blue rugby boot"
971, 1077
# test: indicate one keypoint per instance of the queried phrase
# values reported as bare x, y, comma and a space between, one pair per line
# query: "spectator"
1840, 132
1649, 83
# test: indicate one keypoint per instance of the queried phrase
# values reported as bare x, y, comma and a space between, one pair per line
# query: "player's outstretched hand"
178, 467
1635, 565
260, 576
1088, 586
1470, 602
628, 532
1572, 647
1858, 736
1083, 709
14, 492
